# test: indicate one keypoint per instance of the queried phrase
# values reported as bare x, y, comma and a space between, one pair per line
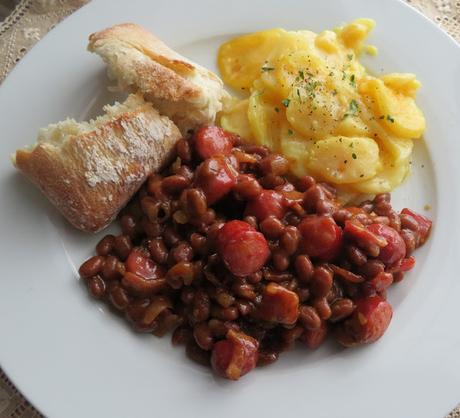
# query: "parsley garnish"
354, 107
390, 118
264, 68
350, 57
354, 156
301, 75
290, 132
286, 102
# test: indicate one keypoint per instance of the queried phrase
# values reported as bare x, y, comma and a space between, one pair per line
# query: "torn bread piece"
189, 94
89, 170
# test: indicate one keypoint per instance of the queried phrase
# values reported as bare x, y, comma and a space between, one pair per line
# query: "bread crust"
90, 177
188, 93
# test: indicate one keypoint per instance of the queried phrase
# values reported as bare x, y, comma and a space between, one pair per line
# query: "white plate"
72, 358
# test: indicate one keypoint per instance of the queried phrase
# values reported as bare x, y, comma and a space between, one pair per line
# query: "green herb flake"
301, 75
354, 107
331, 73
354, 156
286, 102
361, 175
265, 68
277, 109
334, 92
390, 118
351, 145
350, 57
290, 132
382, 117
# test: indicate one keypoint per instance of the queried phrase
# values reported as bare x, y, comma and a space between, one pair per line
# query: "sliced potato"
296, 149
392, 175
235, 119
354, 33
343, 160
242, 60
404, 83
397, 112
314, 111
264, 121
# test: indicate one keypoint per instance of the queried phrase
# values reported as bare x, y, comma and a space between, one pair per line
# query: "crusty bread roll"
90, 170
186, 92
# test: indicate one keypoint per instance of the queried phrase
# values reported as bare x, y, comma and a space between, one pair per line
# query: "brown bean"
341, 309
182, 273
372, 268
289, 240
305, 182
197, 354
181, 336
225, 314
135, 310
274, 164
174, 184
271, 227
322, 307
309, 318
245, 307
119, 298
186, 295
123, 246
255, 278
342, 215
182, 251
193, 202
244, 290
409, 239
113, 269
224, 298
247, 187
105, 245
203, 336
355, 255
128, 225
304, 268
183, 150
91, 267
303, 293
151, 229
201, 306
96, 287
271, 181
170, 237
158, 250
251, 220
198, 243
280, 260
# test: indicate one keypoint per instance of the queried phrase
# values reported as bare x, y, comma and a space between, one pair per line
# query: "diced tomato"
395, 250
235, 356
368, 322
216, 177
242, 249
278, 305
143, 266
268, 203
211, 141
424, 224
321, 237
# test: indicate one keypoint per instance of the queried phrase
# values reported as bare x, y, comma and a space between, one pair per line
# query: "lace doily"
32, 19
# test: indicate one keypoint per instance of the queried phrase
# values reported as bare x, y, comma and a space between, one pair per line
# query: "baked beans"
239, 261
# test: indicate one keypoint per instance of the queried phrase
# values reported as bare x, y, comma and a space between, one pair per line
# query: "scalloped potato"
310, 98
